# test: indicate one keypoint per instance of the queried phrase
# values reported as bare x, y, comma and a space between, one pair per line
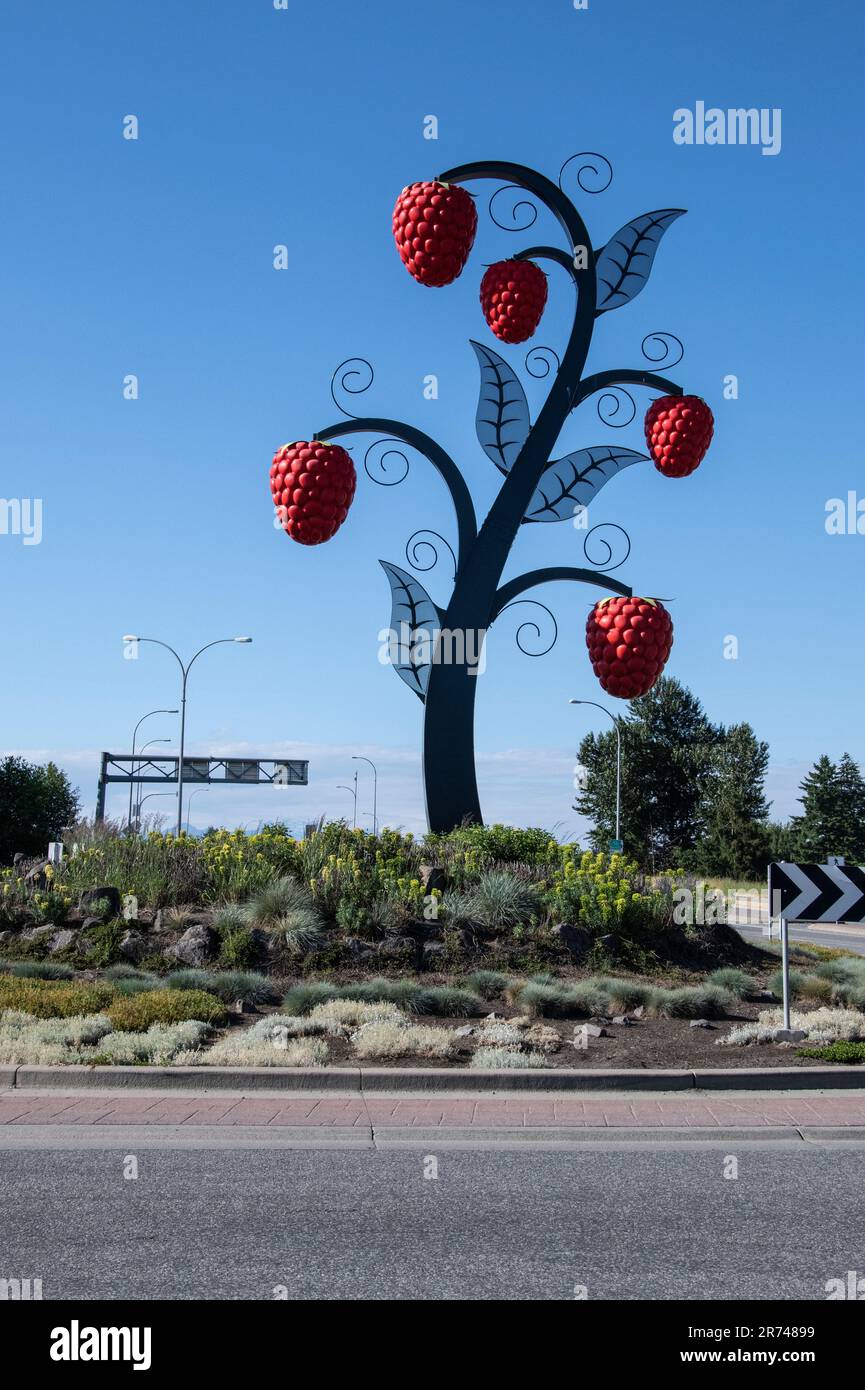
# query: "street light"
352, 791
138, 811
141, 751
192, 796
130, 637
134, 733
617, 726
359, 758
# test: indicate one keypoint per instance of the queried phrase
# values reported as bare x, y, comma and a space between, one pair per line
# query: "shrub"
737, 982
851, 1053
620, 996
278, 901
135, 1014
102, 942
552, 1000
489, 984
237, 946
122, 971
607, 893
237, 1051
495, 1058
448, 1001
498, 900
37, 969
53, 998
802, 986
158, 1046
820, 1026
227, 985
76, 1031
693, 1001
300, 999
401, 1039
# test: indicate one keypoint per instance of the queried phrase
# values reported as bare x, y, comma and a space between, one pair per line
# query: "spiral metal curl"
544, 365
380, 463
513, 225
596, 169
666, 359
534, 627
605, 564
417, 542
614, 394
351, 367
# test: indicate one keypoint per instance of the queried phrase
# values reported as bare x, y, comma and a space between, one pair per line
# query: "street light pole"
134, 735
618, 729
358, 757
192, 796
142, 801
184, 669
141, 752
352, 792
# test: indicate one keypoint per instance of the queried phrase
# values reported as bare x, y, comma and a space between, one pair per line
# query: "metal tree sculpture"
535, 489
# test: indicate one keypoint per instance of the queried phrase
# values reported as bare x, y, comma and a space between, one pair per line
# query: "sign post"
831, 892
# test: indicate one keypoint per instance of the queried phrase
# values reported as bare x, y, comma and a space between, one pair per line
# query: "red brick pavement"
528, 1111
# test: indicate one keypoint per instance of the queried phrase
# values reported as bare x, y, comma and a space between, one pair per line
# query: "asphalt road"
847, 939
651, 1221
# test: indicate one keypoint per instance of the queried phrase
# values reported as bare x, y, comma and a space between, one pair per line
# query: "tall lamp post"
352, 791
192, 796
185, 669
359, 758
142, 801
141, 753
618, 729
134, 735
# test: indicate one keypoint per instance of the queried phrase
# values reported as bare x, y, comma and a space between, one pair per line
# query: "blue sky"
155, 257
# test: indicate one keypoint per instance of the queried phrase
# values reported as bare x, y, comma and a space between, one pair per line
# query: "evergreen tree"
851, 788
736, 843
821, 830
35, 805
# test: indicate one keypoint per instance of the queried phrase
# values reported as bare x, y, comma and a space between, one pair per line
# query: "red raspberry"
313, 486
678, 432
629, 640
513, 295
434, 226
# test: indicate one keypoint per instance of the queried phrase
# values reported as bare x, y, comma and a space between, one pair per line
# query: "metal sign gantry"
218, 772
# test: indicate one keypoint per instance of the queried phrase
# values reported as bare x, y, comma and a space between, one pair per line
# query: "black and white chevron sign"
817, 892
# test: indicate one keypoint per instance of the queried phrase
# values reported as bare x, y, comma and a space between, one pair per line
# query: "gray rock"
133, 946
623, 1019
196, 946
61, 939
639, 1012
576, 940
788, 1035
433, 948
464, 1032
91, 896
243, 1006
590, 1030
493, 1016
699, 1023
5, 936
38, 933
396, 947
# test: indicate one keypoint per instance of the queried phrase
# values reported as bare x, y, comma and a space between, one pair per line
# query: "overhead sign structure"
215, 772
817, 892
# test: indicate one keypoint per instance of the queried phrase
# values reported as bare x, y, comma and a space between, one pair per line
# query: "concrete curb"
367, 1080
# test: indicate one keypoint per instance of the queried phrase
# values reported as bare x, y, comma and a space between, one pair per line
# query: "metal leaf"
502, 419
625, 263
415, 621
572, 481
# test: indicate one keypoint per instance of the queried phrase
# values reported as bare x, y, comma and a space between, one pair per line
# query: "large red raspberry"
629, 640
313, 486
513, 295
434, 227
678, 432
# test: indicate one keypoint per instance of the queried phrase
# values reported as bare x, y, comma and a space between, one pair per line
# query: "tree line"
693, 793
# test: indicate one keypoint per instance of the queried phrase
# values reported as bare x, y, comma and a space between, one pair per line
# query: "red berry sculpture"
678, 432
629, 640
513, 295
434, 227
313, 486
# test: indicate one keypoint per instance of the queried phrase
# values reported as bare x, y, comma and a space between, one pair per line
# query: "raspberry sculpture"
678, 432
513, 295
313, 485
629, 640
434, 227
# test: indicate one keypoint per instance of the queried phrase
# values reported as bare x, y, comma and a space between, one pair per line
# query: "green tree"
833, 812
668, 749
35, 805
736, 843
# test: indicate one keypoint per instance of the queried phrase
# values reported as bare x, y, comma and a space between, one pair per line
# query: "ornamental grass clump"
692, 1001
498, 901
227, 985
737, 982
803, 986
36, 969
489, 984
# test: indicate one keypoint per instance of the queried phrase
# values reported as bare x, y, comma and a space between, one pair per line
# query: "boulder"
789, 1035
133, 947
91, 896
699, 1023
577, 941
35, 876
196, 946
590, 1030
38, 933
61, 940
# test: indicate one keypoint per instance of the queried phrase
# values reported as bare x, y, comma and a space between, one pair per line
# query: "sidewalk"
469, 1114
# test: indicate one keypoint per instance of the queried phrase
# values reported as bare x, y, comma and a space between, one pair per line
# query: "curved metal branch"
548, 253
624, 376
509, 591
467, 527
539, 185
